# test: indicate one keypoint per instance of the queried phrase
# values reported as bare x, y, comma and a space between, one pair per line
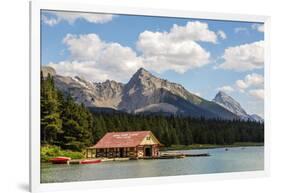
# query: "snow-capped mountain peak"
230, 104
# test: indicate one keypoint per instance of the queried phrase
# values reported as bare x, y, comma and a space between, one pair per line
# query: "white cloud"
55, 17
241, 30
96, 60
251, 84
251, 80
258, 27
221, 34
244, 57
226, 89
241, 85
257, 93
49, 21
194, 30
177, 49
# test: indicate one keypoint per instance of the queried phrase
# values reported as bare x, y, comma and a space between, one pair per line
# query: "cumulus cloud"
97, 60
177, 49
194, 30
221, 34
251, 85
226, 89
258, 27
244, 57
55, 17
257, 93
251, 80
241, 85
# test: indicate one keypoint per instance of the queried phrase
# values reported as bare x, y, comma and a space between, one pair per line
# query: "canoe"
90, 161
60, 160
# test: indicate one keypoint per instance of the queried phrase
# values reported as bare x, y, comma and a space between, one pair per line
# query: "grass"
210, 146
49, 151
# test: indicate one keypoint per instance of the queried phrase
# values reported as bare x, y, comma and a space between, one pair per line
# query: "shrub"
48, 152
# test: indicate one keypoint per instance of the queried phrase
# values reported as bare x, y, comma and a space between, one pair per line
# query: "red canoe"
60, 160
90, 161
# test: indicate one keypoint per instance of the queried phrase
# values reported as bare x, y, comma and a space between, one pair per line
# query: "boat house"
136, 144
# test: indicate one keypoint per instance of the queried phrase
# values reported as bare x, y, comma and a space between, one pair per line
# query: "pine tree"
51, 124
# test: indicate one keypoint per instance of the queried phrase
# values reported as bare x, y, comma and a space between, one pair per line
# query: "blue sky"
203, 55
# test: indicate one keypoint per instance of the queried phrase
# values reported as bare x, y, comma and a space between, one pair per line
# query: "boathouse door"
148, 151
121, 152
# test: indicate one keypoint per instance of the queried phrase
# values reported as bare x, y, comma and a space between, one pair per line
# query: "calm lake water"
234, 160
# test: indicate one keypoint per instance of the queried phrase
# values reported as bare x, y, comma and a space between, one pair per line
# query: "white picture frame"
36, 6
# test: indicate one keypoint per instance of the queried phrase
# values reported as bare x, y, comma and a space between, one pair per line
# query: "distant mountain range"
146, 93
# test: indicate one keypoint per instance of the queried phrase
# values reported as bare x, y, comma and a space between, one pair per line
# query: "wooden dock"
115, 159
197, 155
74, 161
164, 155
175, 155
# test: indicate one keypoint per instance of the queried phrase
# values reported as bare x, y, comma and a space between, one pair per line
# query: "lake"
234, 160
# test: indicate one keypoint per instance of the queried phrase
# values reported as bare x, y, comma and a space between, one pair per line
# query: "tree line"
73, 126
180, 130
63, 122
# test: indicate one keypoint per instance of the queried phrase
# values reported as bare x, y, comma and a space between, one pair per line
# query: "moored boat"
90, 161
60, 160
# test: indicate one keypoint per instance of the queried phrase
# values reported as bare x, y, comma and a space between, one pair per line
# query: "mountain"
145, 89
147, 93
230, 104
144, 93
257, 118
233, 106
106, 94
47, 70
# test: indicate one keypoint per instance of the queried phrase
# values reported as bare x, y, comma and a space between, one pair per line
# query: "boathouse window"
148, 138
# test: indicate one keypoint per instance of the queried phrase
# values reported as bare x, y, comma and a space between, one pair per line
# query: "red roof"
122, 139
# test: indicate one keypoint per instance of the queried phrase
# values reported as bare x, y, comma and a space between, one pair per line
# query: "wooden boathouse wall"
137, 144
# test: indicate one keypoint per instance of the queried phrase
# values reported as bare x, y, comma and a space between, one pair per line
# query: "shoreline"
201, 146
210, 146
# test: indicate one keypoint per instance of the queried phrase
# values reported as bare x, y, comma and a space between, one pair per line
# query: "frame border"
34, 81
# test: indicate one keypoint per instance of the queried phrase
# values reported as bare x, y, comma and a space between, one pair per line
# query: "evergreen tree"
51, 124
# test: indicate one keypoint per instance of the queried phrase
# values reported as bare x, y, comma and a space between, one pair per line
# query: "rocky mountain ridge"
144, 93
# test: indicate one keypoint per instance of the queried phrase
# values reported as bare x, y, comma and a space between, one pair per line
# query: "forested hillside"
69, 125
